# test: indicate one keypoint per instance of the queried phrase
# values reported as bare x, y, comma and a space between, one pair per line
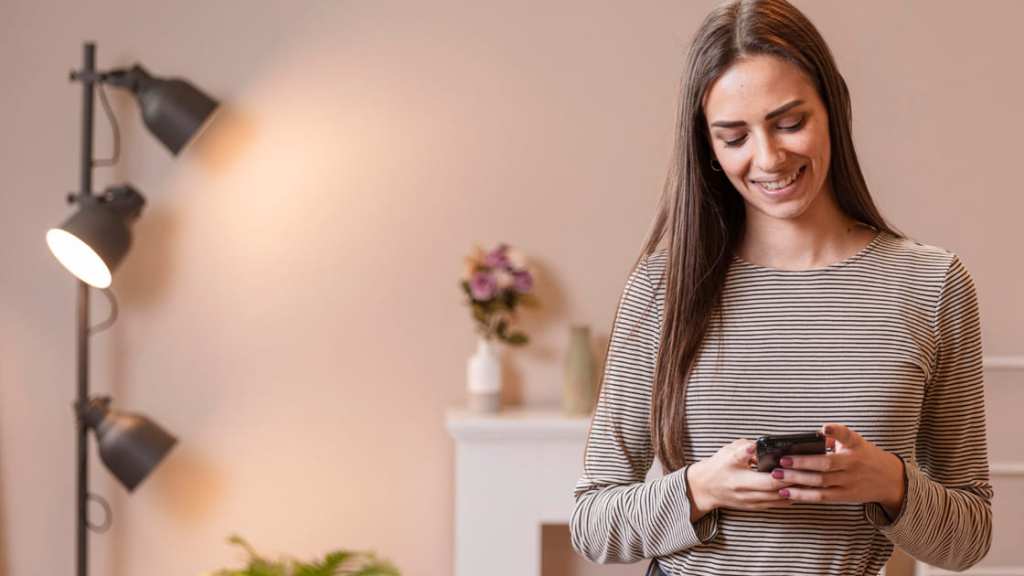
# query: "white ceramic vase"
483, 377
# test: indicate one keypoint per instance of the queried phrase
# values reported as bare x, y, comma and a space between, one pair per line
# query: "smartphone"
773, 447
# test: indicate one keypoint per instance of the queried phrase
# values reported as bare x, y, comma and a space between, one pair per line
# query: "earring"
715, 165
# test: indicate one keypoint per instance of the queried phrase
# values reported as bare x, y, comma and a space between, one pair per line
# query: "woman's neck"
812, 241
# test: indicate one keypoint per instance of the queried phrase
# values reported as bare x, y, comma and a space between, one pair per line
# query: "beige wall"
290, 307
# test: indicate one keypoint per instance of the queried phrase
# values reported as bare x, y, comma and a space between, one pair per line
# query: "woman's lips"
784, 191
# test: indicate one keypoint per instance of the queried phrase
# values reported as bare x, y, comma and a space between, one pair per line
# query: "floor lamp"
92, 242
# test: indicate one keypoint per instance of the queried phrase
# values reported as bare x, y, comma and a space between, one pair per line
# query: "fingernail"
784, 493
778, 474
750, 449
786, 461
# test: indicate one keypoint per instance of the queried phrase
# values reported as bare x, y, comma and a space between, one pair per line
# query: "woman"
783, 303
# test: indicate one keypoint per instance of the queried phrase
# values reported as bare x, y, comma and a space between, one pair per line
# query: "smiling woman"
783, 304
778, 161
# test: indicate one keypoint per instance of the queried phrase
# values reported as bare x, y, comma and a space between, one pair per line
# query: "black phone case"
771, 448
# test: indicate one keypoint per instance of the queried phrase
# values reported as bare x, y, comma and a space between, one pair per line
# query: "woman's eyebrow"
780, 110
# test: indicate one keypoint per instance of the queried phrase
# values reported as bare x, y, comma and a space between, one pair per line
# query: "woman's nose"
770, 157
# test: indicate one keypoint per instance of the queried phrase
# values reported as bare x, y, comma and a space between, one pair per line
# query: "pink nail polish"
784, 493
786, 461
778, 474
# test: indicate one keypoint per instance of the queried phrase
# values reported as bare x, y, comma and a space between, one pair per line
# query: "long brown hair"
701, 212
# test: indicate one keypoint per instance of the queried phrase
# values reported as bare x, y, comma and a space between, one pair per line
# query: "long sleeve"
619, 517
946, 516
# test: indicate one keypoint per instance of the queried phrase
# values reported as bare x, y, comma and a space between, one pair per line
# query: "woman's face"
767, 125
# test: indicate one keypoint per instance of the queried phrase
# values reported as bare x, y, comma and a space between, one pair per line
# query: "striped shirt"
887, 342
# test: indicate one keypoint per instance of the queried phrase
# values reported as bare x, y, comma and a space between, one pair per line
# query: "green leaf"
479, 314
335, 560
377, 569
239, 541
529, 300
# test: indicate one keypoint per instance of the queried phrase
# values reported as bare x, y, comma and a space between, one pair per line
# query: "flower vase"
579, 394
483, 377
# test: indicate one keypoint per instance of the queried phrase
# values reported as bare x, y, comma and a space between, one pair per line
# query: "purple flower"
522, 281
497, 258
482, 286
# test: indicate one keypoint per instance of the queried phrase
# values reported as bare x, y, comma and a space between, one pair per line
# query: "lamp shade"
173, 109
131, 445
94, 240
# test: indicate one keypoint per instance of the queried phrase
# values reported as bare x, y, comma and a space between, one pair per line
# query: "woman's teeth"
780, 184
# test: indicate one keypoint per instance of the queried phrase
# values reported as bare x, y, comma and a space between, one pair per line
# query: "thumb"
841, 433
744, 451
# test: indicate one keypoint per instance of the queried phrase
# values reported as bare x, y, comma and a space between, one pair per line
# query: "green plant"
339, 562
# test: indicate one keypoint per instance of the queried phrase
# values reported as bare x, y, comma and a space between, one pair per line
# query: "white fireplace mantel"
514, 471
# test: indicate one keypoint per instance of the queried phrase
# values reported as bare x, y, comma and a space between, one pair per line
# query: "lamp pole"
90, 244
87, 78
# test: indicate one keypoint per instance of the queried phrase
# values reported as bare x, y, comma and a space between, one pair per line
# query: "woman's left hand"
856, 471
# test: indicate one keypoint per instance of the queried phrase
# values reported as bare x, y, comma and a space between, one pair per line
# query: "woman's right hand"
726, 480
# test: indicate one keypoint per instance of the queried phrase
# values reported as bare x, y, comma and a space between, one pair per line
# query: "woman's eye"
787, 127
793, 127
